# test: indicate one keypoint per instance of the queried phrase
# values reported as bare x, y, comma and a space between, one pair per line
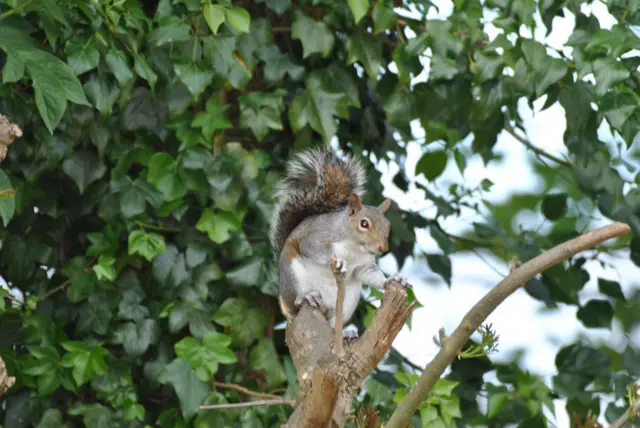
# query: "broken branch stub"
328, 380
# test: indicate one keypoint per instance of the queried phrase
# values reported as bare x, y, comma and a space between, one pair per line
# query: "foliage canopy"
135, 247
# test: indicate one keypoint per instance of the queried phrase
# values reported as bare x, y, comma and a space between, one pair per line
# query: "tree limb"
241, 389
8, 132
534, 148
328, 380
623, 419
476, 316
281, 401
6, 381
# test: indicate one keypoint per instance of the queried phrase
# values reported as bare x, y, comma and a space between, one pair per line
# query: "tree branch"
8, 132
327, 380
476, 316
535, 149
241, 389
279, 402
622, 420
6, 381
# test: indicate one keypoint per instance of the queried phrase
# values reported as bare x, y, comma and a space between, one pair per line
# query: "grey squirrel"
319, 214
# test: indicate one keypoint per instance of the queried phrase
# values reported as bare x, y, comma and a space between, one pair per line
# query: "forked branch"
477, 315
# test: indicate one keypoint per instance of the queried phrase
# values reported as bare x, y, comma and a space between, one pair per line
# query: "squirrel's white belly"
312, 276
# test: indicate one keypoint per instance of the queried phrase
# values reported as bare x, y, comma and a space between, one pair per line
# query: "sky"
520, 320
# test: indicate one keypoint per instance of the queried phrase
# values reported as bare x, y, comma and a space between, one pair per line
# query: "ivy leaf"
383, 17
441, 265
263, 356
277, 64
314, 36
238, 18
261, 121
117, 62
496, 403
190, 389
82, 57
171, 29
195, 76
148, 245
608, 72
141, 66
218, 226
13, 69
214, 16
546, 70
442, 68
164, 174
596, 314
245, 324
316, 107
7, 204
618, 107
85, 362
94, 316
432, 164
214, 119
554, 206
358, 8
137, 337
610, 288
84, 168
365, 48
105, 269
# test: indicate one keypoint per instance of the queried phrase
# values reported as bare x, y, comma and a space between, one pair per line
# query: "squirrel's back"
316, 181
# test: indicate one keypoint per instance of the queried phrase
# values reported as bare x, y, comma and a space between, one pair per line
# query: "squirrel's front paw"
339, 265
401, 279
313, 298
350, 333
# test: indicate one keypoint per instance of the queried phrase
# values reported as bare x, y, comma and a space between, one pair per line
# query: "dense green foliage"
135, 247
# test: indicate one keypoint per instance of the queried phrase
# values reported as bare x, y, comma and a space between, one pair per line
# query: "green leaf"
596, 314
618, 107
141, 66
148, 245
441, 265
442, 68
191, 391
263, 356
496, 403
608, 72
7, 204
432, 164
50, 99
383, 17
82, 56
105, 269
119, 65
214, 119
103, 94
316, 107
94, 316
314, 36
214, 16
164, 174
444, 387
13, 69
546, 70
137, 337
610, 288
171, 29
245, 324
84, 168
195, 76
365, 48
261, 121
238, 18
85, 362
134, 411
277, 65
358, 9
554, 206
218, 226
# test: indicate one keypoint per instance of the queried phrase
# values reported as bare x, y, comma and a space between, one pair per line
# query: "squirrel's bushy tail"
316, 181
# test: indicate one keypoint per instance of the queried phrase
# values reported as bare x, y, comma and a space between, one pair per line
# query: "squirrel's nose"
383, 248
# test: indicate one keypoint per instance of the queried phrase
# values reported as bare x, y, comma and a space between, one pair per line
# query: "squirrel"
320, 214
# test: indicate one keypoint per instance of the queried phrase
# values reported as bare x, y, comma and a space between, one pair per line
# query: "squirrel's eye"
364, 224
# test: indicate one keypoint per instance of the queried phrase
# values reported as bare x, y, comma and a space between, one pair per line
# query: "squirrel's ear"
384, 206
355, 204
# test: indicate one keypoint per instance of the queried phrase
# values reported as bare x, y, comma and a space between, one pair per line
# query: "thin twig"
479, 313
338, 338
619, 423
58, 288
279, 402
246, 391
535, 149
